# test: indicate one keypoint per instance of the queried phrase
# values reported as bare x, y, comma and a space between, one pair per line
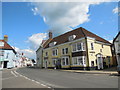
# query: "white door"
100, 62
45, 63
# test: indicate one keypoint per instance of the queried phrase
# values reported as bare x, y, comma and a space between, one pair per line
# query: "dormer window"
52, 44
71, 38
1, 44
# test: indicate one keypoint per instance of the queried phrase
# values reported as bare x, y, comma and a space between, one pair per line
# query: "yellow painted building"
77, 49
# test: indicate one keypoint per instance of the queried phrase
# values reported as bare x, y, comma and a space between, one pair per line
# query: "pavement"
12, 79
67, 79
92, 72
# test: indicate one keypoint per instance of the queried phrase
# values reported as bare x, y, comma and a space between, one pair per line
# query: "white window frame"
45, 54
76, 47
65, 61
54, 59
2, 53
56, 52
92, 46
72, 37
1, 43
64, 51
83, 60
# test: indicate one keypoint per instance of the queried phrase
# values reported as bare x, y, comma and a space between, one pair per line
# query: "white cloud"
115, 10
60, 16
34, 42
36, 39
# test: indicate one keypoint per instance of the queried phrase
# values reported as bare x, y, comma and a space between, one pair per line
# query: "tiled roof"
6, 46
79, 32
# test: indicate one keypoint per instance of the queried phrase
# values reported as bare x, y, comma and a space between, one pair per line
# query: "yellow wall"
60, 47
106, 51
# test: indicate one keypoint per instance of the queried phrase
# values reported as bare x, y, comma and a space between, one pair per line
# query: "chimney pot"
50, 35
6, 38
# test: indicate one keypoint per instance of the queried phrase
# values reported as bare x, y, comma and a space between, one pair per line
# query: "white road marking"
49, 87
14, 74
43, 84
32, 80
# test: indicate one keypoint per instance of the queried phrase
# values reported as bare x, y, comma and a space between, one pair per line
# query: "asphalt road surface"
62, 79
11, 79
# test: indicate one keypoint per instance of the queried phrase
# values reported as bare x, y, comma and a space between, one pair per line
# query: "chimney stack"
50, 35
6, 38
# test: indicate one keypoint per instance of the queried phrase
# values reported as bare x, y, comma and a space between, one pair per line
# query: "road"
11, 79
62, 79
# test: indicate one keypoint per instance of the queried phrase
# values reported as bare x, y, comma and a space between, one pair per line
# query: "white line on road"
32, 80
14, 74
43, 84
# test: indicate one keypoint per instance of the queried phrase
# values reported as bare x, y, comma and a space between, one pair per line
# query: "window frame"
56, 52
92, 46
65, 60
76, 47
77, 59
64, 51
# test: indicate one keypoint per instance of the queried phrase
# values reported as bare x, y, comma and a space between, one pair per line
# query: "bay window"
79, 60
78, 47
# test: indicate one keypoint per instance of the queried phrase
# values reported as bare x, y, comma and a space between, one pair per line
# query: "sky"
27, 24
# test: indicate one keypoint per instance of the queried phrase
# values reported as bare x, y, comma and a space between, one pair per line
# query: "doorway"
45, 63
99, 61
5, 64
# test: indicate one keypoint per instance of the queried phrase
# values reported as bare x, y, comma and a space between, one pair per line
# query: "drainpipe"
87, 55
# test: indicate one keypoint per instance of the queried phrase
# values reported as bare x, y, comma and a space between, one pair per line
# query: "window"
100, 50
74, 47
1, 53
71, 38
46, 54
1, 44
7, 55
54, 62
55, 52
78, 47
83, 45
65, 51
79, 60
92, 48
102, 46
75, 61
52, 44
65, 60
92, 63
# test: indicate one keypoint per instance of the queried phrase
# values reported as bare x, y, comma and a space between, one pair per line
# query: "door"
45, 63
5, 64
100, 62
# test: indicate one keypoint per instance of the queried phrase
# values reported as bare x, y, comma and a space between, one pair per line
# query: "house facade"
116, 43
77, 49
7, 54
39, 51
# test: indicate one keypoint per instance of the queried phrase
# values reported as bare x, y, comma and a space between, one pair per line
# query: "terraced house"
77, 49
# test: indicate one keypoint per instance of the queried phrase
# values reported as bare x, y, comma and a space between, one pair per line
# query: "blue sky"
19, 22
